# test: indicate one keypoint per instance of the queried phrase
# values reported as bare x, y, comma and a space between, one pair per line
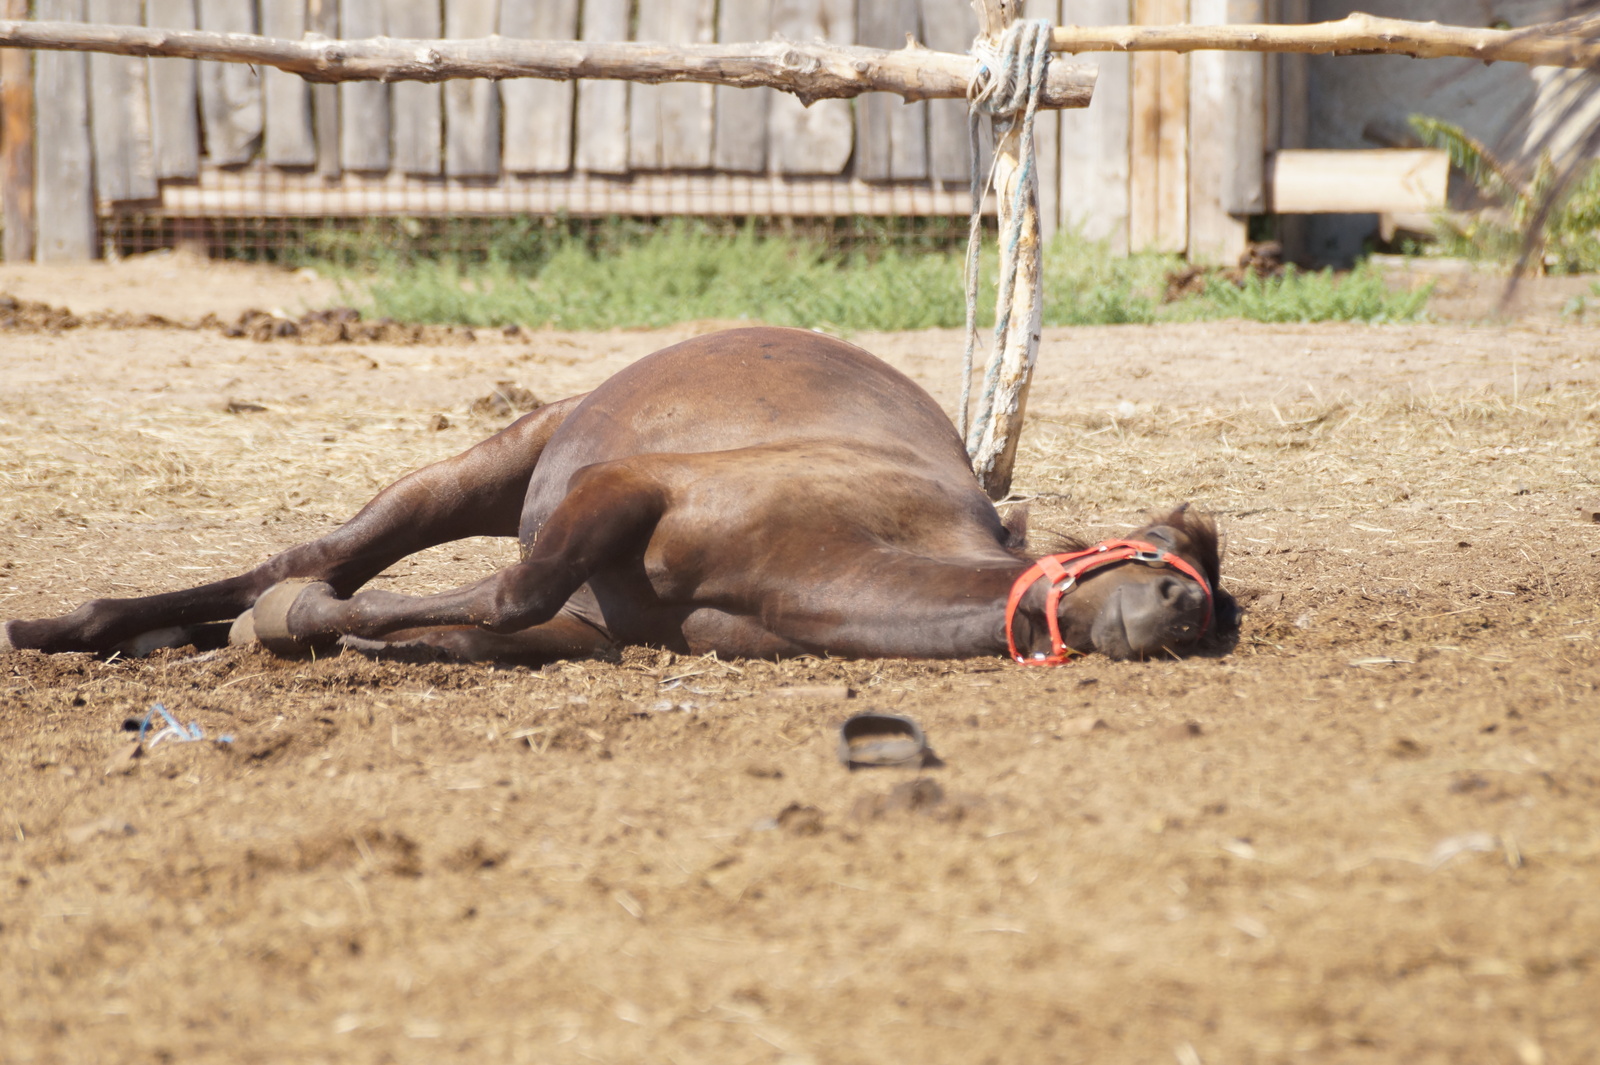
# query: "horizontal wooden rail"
811, 70
1546, 45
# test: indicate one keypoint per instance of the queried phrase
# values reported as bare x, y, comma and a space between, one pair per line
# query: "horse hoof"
242, 633
270, 619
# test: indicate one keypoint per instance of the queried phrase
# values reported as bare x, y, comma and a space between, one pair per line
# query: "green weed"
683, 271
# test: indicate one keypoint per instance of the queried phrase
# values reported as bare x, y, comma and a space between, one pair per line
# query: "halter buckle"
1158, 556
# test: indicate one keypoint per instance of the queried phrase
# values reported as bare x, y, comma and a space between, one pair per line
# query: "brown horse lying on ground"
758, 492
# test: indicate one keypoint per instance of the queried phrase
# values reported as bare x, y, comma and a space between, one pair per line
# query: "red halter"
1064, 571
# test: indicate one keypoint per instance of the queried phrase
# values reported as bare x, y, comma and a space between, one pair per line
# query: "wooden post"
996, 449
16, 143
291, 139
891, 135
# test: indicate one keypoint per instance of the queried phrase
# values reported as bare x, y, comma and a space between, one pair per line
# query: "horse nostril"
1173, 591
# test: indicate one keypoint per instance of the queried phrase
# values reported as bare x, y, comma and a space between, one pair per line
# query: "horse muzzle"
1147, 618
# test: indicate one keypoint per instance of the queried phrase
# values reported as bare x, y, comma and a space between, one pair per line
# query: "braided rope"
1006, 85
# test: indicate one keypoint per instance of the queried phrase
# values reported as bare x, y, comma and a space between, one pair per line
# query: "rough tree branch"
811, 70
1356, 35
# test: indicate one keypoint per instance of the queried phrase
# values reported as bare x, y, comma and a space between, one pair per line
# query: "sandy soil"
1370, 833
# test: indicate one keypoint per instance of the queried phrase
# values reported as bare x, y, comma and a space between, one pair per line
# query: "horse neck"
917, 606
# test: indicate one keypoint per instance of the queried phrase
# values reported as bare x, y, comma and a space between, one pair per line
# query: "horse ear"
1016, 526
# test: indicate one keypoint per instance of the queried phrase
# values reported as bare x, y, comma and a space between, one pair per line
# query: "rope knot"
1007, 84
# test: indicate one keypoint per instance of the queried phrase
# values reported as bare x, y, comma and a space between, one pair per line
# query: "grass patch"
685, 271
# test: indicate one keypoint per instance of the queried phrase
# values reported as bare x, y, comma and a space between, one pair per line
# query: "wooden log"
670, 126
471, 108
322, 23
603, 106
230, 93
416, 108
1095, 141
891, 136
810, 70
739, 138
538, 114
364, 117
1227, 126
290, 138
994, 450
819, 138
1358, 34
16, 144
1324, 181
63, 163
119, 114
174, 97
291, 193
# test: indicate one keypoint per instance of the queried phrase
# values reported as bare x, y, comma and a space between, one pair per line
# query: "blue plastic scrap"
174, 731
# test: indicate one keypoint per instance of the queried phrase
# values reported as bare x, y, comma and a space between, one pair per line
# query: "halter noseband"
1063, 572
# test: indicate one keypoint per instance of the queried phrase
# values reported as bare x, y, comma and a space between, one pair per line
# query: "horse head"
1154, 591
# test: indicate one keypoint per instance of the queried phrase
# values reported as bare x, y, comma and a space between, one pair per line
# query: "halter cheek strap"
1064, 572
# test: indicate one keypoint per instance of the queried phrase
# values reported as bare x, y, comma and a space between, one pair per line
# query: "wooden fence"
1170, 155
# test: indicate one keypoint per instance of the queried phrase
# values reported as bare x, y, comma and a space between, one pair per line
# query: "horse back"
746, 388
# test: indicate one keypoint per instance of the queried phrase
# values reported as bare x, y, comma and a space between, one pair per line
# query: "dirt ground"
1369, 832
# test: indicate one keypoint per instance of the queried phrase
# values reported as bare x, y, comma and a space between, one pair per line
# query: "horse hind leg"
606, 516
562, 637
476, 493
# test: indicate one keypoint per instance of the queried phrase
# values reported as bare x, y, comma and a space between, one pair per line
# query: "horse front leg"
477, 493
607, 516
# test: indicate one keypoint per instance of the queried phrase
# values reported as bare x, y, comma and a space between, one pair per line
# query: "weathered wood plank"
1158, 181
174, 96
63, 192
471, 108
949, 26
230, 93
1046, 137
670, 125
1227, 153
417, 108
891, 135
16, 144
739, 144
816, 139
322, 20
603, 105
291, 141
537, 115
1095, 140
119, 113
364, 122
1172, 221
